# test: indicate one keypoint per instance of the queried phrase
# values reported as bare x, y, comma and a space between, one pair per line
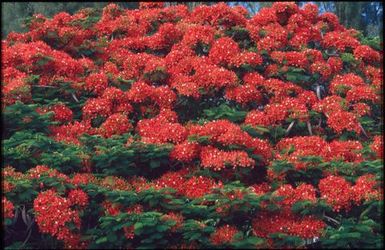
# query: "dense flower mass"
53, 213
169, 127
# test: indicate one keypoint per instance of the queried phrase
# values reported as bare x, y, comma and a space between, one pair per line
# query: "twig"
44, 86
309, 128
333, 53
16, 215
363, 130
290, 127
365, 212
331, 219
26, 239
318, 91
75, 98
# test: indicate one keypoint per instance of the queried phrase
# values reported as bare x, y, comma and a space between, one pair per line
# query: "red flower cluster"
8, 208
378, 147
266, 223
364, 52
41, 170
340, 40
15, 87
196, 187
218, 159
53, 213
227, 134
186, 151
224, 234
173, 180
342, 83
295, 148
342, 120
341, 194
78, 197
71, 132
115, 124
366, 188
161, 129
178, 218
292, 195
336, 191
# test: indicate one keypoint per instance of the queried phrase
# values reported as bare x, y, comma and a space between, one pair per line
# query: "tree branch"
290, 127
309, 127
75, 98
44, 86
331, 219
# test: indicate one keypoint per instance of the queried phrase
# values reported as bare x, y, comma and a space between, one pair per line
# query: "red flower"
83, 179
62, 113
161, 130
115, 124
96, 82
336, 191
185, 151
345, 150
173, 180
292, 195
150, 5
197, 187
366, 188
223, 51
223, 235
366, 53
342, 83
362, 93
266, 223
78, 197
52, 215
216, 159
8, 208
377, 146
96, 107
342, 120
178, 218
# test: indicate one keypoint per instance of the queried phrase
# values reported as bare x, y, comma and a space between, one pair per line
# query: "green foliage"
225, 112
298, 76
27, 149
353, 234
19, 117
114, 157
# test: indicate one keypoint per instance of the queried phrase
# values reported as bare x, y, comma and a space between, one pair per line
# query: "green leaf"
101, 240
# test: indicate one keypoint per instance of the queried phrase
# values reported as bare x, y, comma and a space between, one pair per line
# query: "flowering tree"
165, 127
